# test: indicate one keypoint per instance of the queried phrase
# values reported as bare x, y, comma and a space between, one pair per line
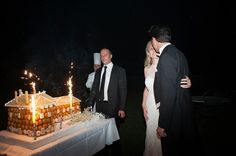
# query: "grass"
132, 131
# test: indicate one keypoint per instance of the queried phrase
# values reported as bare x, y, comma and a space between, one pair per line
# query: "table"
83, 139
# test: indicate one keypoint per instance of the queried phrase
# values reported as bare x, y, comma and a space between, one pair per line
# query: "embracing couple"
167, 107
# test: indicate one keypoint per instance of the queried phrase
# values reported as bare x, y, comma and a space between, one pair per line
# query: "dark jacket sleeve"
122, 88
168, 78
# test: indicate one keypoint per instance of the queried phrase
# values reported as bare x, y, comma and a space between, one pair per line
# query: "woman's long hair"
147, 60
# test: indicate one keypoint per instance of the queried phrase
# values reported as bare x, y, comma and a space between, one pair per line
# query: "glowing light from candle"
33, 104
69, 83
30, 75
71, 65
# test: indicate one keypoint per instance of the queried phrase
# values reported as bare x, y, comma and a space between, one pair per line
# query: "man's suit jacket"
117, 90
175, 102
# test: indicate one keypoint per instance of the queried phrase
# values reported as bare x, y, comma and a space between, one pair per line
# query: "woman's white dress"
152, 142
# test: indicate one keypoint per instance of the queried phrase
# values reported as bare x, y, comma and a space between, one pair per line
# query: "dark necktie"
101, 92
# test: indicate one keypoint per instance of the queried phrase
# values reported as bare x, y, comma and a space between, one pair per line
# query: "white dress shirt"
162, 47
89, 82
107, 79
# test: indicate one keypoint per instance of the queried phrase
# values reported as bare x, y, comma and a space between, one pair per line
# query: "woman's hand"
145, 112
185, 82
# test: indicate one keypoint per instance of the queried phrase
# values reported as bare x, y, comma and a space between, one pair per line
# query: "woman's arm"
145, 94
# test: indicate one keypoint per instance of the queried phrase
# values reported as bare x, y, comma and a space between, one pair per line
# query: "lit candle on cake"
33, 105
26, 97
69, 83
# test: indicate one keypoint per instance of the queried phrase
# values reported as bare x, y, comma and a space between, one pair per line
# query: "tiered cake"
49, 110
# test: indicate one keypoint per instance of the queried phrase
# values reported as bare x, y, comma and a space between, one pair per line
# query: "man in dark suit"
176, 124
109, 91
110, 97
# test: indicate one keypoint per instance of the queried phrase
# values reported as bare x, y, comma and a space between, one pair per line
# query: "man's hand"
121, 114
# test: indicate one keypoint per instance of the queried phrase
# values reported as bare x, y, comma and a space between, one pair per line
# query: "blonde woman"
150, 108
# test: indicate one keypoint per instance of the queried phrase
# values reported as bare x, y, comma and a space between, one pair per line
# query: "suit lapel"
98, 78
112, 77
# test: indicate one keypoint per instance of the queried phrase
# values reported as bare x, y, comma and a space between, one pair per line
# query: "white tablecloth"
86, 141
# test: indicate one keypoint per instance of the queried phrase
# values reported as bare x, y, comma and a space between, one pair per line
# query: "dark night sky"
43, 31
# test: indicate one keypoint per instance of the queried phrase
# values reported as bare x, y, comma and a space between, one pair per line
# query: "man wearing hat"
96, 65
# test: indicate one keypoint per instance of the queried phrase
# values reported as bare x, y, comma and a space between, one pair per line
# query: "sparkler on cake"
36, 114
48, 111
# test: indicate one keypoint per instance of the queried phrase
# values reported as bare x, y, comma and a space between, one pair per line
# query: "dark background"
45, 36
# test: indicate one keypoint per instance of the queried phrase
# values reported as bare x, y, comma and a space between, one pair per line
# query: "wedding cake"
48, 111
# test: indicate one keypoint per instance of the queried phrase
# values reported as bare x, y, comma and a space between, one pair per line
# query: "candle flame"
30, 75
71, 65
33, 104
33, 86
69, 83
